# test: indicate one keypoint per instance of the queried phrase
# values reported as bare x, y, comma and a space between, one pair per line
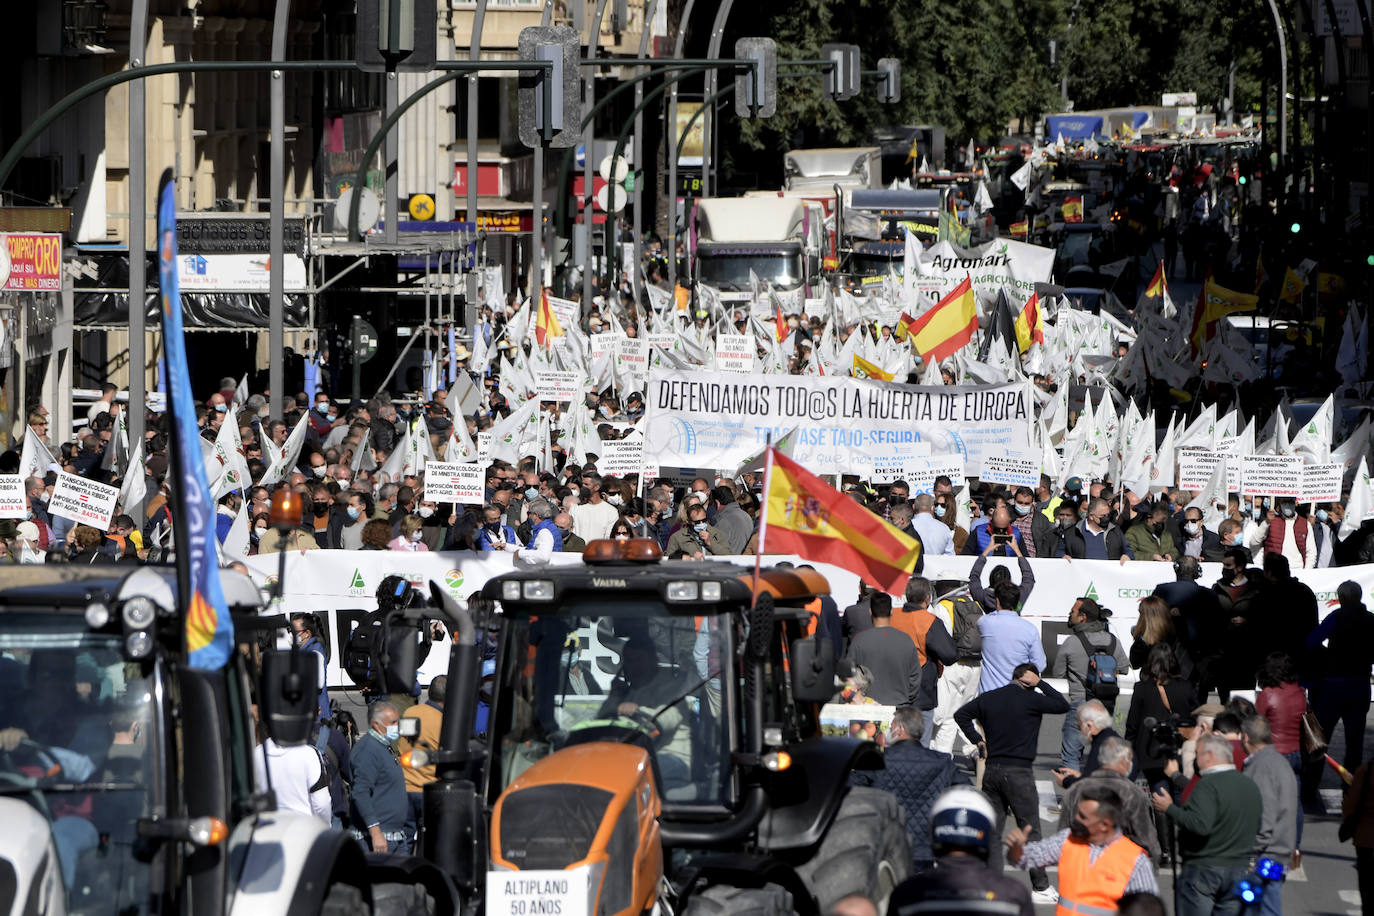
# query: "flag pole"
763, 516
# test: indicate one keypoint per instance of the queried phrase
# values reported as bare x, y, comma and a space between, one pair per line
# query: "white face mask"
415, 535
614, 499
27, 555
1192, 528
426, 511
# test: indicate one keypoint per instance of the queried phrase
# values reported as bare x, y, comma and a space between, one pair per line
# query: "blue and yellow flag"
209, 629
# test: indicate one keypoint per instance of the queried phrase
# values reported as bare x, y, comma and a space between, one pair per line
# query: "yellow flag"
864, 369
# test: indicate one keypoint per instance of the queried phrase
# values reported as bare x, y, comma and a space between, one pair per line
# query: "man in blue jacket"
380, 811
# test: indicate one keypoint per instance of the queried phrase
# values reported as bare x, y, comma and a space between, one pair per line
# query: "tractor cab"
651, 720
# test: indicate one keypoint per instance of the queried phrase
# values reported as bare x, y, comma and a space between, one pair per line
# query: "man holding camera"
1217, 829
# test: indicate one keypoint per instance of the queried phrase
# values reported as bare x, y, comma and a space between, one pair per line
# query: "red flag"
781, 322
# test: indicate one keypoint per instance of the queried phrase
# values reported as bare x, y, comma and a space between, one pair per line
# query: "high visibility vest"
915, 624
1093, 888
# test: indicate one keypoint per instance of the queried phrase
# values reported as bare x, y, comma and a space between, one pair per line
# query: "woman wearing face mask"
944, 512
622, 530
409, 538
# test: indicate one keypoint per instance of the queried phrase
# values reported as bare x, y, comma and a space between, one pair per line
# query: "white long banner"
341, 585
844, 425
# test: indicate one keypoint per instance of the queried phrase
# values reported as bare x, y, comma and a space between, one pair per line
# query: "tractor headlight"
510, 591
710, 591
138, 613
138, 644
683, 591
539, 590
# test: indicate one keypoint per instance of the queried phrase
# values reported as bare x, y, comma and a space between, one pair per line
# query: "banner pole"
763, 516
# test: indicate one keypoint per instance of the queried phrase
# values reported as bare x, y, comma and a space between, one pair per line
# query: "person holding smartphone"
997, 538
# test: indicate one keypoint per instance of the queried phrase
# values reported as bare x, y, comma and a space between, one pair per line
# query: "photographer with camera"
1161, 699
373, 637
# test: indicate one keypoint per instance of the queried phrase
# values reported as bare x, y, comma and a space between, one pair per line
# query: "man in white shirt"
107, 396
594, 518
298, 776
543, 543
935, 534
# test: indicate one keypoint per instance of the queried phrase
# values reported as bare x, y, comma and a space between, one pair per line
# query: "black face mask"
1078, 829
321, 508
1157, 528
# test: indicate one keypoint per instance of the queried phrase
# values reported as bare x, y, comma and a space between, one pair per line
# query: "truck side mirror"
289, 696
813, 670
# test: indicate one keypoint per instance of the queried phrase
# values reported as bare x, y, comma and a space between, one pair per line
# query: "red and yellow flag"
1019, 229
902, 330
805, 516
1157, 283
940, 332
1030, 324
780, 323
1072, 209
546, 326
864, 369
1293, 286
1214, 303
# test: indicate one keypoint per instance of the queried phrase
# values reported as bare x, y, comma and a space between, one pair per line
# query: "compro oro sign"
30, 261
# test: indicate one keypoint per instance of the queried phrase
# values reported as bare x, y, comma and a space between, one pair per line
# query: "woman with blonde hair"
1153, 627
409, 538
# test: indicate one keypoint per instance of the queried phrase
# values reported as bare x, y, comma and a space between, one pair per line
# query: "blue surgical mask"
939, 511
1022, 511
531, 493
393, 732
353, 512
1322, 515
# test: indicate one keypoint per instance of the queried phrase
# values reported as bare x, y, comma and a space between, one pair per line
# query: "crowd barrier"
341, 585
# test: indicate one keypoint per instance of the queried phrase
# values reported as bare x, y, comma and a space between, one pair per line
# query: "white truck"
820, 170
777, 239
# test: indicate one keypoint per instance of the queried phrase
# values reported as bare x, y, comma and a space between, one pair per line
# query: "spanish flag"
1215, 303
1157, 283
803, 515
779, 322
903, 328
940, 332
864, 369
1030, 325
1293, 286
546, 326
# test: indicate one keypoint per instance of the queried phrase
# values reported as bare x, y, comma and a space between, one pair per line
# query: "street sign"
761, 78
369, 210
613, 172
611, 198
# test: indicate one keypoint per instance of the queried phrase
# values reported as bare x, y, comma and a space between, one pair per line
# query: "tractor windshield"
75, 721
622, 672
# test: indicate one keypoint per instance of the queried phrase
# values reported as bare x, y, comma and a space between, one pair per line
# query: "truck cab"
876, 224
776, 239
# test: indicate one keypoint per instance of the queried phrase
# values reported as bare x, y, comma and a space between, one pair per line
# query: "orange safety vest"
915, 624
1093, 888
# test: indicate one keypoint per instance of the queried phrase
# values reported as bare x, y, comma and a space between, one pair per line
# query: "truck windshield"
622, 673
728, 267
74, 727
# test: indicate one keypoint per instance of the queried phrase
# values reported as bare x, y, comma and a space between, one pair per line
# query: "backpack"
965, 613
362, 656
1100, 682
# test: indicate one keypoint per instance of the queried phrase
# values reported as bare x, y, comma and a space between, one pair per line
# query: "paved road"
1325, 885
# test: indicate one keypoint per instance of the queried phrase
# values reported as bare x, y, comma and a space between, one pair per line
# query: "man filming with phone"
997, 538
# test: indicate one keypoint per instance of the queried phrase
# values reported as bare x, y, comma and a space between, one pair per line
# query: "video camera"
1164, 738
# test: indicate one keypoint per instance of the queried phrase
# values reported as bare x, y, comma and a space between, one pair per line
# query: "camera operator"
1160, 697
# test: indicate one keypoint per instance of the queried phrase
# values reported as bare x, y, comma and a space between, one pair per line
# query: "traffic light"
763, 76
889, 81
396, 35
1295, 228
559, 46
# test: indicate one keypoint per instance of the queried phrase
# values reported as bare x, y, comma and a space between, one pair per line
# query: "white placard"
83, 501
601, 344
558, 386
633, 353
621, 457
893, 466
12, 503
662, 341
921, 472
1012, 467
484, 439
735, 353
565, 310
455, 482
1277, 476
246, 273
518, 893
1196, 467
1321, 483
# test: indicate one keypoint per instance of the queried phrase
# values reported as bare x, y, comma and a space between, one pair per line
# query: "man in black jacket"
1010, 717
1194, 540
915, 775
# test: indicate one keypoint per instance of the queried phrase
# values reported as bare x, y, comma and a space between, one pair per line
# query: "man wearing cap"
26, 544
1073, 492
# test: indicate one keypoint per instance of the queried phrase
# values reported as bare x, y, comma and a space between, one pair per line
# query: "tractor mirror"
399, 663
289, 698
813, 670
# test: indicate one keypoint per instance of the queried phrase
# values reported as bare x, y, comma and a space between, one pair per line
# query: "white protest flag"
1245, 440
1313, 441
35, 458
931, 374
401, 457
659, 299
1360, 505
481, 354
1349, 452
1051, 464
584, 437
135, 486
227, 467
844, 359
1214, 500
1130, 425
1201, 433
1022, 176
1056, 416
508, 435
518, 328
240, 393
1078, 444
982, 200
460, 448
1165, 461
362, 455
285, 460
1352, 358
1138, 470
235, 546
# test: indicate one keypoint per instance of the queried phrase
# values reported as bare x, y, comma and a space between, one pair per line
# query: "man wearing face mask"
1196, 540
732, 521
346, 528
321, 418
935, 535
1288, 533
592, 519
571, 542
494, 533
26, 544
1149, 540
1094, 538
380, 810
320, 519
1036, 529
697, 538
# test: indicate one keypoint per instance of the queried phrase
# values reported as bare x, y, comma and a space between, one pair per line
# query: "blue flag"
209, 629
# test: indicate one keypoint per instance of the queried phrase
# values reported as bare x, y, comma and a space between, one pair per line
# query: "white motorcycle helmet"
962, 818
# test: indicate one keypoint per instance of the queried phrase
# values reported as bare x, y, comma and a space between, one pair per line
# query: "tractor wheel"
865, 851
723, 900
398, 899
344, 900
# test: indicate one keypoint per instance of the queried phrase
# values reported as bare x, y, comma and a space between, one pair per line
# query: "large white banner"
341, 586
999, 264
844, 425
